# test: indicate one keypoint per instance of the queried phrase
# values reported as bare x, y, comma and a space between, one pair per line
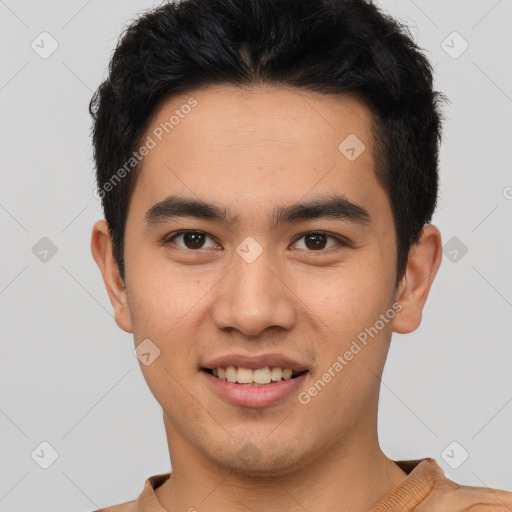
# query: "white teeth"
265, 375
287, 374
277, 374
231, 374
244, 376
262, 375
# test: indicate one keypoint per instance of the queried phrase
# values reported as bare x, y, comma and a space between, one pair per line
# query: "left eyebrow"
334, 207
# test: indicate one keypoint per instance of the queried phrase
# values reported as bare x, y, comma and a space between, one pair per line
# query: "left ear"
422, 265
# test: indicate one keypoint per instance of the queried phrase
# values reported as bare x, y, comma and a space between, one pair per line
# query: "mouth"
259, 377
254, 387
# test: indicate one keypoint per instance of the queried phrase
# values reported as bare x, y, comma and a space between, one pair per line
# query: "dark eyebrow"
334, 207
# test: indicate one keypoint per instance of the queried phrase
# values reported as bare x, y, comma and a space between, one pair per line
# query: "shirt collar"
421, 477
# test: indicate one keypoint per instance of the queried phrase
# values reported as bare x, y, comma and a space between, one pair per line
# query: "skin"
250, 150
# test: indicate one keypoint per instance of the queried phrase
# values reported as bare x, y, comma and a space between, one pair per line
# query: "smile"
260, 376
276, 384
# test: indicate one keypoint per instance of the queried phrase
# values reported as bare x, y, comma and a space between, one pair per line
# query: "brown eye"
317, 241
191, 239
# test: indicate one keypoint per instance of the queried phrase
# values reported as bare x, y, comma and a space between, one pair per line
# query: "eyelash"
340, 240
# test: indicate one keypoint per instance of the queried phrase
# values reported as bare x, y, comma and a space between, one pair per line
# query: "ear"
422, 265
101, 248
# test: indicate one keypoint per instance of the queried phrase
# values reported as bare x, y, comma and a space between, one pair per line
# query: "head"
240, 110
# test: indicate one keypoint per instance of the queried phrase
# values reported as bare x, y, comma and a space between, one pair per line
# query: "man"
268, 172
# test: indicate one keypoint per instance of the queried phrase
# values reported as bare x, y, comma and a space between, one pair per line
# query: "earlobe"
101, 248
422, 266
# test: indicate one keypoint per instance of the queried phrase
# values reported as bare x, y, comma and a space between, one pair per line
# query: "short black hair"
327, 46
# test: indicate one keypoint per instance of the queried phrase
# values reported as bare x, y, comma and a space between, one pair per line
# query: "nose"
254, 296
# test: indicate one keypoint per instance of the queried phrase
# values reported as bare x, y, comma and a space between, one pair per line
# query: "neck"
353, 475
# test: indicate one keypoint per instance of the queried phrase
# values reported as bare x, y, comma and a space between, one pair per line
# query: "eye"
191, 239
316, 240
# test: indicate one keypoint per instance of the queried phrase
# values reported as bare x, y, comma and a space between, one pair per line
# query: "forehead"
227, 117
257, 145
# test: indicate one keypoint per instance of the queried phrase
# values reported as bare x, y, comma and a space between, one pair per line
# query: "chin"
261, 460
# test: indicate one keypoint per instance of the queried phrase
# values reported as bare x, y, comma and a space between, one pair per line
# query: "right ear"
101, 248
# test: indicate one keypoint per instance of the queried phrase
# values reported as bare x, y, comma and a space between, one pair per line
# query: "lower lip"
248, 395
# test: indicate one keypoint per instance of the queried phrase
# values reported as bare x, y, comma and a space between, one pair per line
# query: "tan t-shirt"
425, 489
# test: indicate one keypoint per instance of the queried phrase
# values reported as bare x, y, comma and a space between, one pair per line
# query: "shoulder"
449, 496
146, 501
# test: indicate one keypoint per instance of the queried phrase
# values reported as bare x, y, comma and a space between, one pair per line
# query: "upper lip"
254, 362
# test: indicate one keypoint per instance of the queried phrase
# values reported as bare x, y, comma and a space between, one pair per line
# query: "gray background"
68, 373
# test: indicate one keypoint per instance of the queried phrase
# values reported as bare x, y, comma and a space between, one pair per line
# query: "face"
253, 281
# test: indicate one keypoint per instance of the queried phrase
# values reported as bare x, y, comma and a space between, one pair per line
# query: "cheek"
160, 295
169, 309
349, 298
162, 311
